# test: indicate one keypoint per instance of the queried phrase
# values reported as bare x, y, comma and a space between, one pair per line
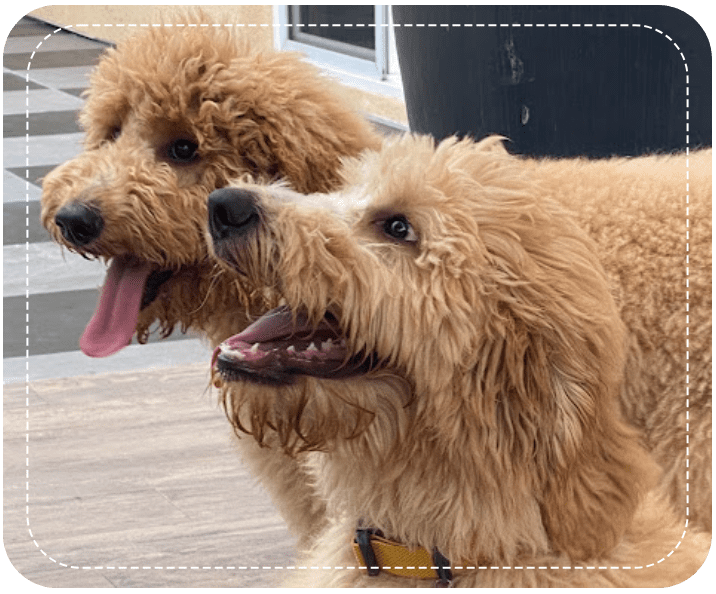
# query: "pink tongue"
113, 323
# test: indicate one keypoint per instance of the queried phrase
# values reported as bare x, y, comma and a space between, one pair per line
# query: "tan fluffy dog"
171, 115
452, 357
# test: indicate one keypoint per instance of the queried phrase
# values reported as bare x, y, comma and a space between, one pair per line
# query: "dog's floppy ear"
597, 474
561, 367
595, 470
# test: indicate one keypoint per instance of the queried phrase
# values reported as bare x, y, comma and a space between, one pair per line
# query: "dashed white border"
275, 25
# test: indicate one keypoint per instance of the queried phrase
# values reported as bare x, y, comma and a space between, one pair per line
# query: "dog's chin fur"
311, 414
493, 430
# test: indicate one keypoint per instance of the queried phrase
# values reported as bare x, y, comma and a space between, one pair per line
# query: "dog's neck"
485, 501
422, 498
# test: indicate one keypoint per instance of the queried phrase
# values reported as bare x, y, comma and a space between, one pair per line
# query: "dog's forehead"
453, 182
166, 58
410, 174
345, 203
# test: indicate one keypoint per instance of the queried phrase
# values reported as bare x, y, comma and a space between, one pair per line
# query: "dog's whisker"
214, 282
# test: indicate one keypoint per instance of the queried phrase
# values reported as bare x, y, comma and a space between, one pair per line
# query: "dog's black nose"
79, 223
232, 212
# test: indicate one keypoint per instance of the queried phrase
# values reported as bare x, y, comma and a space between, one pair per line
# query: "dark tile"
57, 321
75, 92
33, 174
61, 59
14, 224
41, 124
12, 82
28, 26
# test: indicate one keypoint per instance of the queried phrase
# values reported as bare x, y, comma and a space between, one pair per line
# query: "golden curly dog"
448, 362
172, 114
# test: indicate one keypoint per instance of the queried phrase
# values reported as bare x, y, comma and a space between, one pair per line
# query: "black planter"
558, 90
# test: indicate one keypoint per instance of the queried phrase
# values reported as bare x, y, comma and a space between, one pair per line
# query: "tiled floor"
62, 287
110, 484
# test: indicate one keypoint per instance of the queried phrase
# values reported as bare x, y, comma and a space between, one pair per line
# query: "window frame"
315, 40
379, 75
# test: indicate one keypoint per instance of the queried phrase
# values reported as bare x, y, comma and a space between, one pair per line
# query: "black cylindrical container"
558, 80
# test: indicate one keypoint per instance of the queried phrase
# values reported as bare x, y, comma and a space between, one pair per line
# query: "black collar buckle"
443, 570
363, 539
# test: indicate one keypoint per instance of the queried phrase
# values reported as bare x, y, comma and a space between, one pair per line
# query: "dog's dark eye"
114, 133
182, 151
399, 228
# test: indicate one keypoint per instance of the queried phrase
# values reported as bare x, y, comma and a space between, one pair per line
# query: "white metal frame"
379, 75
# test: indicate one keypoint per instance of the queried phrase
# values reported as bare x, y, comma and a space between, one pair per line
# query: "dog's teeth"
291, 349
312, 347
255, 348
326, 346
233, 353
237, 354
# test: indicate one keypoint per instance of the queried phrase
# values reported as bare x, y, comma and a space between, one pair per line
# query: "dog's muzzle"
232, 213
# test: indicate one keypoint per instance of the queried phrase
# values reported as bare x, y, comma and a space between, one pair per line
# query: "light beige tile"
133, 469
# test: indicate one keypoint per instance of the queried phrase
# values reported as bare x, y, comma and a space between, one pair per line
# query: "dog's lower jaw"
282, 345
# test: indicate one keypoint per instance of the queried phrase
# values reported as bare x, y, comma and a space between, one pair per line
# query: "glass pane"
344, 15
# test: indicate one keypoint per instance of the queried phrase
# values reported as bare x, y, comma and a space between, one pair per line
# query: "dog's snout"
232, 211
79, 223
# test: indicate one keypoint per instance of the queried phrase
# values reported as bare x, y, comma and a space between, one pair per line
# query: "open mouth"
130, 286
281, 345
155, 280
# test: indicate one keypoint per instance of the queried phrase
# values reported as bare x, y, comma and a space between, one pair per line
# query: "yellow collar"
376, 553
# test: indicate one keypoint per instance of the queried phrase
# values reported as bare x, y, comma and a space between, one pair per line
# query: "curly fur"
495, 431
266, 115
653, 257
